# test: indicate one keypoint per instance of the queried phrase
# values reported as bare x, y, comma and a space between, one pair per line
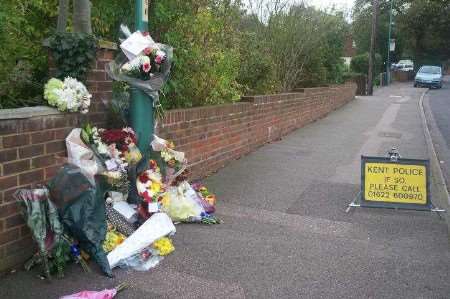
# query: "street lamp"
141, 106
388, 63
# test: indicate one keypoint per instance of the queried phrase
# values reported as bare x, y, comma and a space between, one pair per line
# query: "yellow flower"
166, 199
155, 188
112, 240
164, 246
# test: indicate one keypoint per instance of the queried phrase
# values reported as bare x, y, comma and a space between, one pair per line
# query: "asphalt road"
437, 107
285, 232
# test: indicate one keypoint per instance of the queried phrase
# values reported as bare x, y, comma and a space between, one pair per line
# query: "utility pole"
388, 63
372, 46
141, 106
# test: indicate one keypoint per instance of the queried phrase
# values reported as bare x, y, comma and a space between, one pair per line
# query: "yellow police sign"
403, 183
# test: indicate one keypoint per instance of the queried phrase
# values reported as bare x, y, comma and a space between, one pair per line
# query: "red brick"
8, 182
104, 86
101, 64
43, 161
51, 171
1, 225
16, 167
14, 221
55, 146
41, 137
16, 140
18, 245
9, 236
31, 177
25, 231
8, 127
31, 125
97, 76
62, 133
31, 151
108, 54
8, 155
58, 121
8, 209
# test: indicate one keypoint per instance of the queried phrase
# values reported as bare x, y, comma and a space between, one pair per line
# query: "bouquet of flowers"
68, 95
145, 64
116, 148
175, 160
150, 187
182, 204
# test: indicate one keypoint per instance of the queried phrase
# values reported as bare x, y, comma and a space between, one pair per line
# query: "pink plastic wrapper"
105, 294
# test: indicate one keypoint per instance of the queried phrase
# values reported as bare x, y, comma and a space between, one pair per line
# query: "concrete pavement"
285, 232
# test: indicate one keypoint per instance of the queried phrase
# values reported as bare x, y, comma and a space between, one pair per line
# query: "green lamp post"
141, 106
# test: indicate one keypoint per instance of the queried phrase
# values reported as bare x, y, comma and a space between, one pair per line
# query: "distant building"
349, 50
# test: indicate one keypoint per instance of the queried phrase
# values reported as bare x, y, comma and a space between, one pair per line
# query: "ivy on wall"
73, 54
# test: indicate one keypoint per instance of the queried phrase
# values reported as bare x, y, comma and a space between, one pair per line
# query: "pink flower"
146, 67
148, 51
160, 56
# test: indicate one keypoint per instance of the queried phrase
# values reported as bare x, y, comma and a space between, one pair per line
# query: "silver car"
429, 76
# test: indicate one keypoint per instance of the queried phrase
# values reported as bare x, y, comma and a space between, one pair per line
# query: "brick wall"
31, 148
211, 136
30, 153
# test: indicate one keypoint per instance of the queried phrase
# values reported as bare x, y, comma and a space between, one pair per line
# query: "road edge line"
436, 170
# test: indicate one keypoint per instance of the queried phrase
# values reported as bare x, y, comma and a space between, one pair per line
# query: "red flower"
143, 178
147, 197
118, 136
145, 33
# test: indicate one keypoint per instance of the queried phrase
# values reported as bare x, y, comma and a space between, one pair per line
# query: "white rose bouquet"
68, 95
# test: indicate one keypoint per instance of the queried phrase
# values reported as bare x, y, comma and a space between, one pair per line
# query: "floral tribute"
69, 95
150, 186
145, 56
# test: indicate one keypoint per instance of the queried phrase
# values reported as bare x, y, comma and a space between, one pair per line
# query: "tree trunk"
82, 16
63, 14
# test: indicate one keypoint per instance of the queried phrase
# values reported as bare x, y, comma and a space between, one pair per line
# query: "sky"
344, 5
340, 4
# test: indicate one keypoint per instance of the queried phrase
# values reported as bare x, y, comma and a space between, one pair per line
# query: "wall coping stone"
27, 112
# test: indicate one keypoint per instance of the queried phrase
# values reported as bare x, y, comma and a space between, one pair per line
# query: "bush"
206, 53
360, 64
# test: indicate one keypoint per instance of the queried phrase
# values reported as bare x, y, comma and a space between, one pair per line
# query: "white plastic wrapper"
139, 263
81, 155
157, 226
135, 44
158, 144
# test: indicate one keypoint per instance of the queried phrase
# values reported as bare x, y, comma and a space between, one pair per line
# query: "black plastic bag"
81, 208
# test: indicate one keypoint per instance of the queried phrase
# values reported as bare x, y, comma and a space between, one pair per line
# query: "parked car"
404, 65
429, 75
